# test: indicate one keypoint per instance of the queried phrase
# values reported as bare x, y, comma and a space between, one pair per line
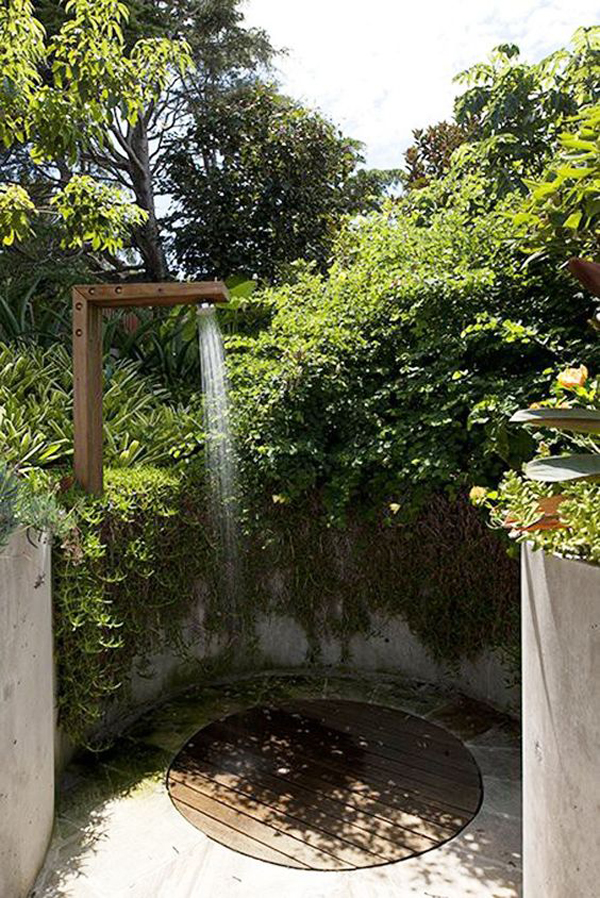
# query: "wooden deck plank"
310, 789
387, 777
389, 743
327, 785
225, 834
248, 825
340, 830
361, 783
387, 719
311, 826
426, 770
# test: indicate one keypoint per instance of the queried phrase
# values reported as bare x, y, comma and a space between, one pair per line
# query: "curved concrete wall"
278, 641
390, 646
27, 719
561, 727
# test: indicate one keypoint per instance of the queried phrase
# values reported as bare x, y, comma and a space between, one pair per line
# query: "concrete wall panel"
27, 719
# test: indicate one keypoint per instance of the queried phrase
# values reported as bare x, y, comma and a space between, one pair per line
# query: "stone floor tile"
500, 763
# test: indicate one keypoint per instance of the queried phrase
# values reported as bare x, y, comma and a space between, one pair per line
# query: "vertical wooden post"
87, 392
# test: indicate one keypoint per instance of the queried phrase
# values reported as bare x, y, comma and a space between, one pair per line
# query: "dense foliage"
258, 182
369, 395
142, 423
515, 111
562, 215
388, 380
97, 96
59, 96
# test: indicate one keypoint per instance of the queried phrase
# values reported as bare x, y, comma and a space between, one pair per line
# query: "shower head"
204, 308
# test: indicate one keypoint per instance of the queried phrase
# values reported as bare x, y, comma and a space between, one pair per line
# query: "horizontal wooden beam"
111, 296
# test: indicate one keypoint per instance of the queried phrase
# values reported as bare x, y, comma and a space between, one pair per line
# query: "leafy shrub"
389, 379
141, 421
578, 535
562, 213
8, 501
514, 111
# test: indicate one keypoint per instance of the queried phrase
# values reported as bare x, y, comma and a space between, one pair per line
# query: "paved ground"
118, 835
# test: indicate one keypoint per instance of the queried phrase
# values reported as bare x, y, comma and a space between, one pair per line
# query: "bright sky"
381, 68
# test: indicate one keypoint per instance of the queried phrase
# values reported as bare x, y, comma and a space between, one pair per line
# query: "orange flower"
573, 377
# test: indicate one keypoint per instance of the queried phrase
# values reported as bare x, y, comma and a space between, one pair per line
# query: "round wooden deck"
326, 785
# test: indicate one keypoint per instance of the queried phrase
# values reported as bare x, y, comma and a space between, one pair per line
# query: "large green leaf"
558, 468
580, 420
240, 287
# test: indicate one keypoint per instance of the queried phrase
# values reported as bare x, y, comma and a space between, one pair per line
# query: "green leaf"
577, 420
240, 287
573, 221
558, 468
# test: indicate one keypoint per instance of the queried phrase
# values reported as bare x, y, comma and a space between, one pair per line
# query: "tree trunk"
147, 237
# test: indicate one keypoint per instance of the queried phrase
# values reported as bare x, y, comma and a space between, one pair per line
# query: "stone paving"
117, 833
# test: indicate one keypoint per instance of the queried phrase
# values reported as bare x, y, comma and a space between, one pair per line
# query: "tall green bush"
388, 379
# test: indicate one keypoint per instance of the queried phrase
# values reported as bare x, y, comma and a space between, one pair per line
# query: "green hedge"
392, 378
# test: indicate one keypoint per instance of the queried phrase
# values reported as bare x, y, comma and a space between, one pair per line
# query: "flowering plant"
530, 503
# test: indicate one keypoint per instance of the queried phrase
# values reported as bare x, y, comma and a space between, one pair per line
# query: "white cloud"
382, 68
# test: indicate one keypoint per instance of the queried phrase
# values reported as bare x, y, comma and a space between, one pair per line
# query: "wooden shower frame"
89, 301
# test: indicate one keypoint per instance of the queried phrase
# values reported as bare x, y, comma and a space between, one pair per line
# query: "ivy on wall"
124, 582
444, 572
142, 557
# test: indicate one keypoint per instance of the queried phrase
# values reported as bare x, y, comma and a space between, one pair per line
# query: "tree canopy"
68, 97
258, 182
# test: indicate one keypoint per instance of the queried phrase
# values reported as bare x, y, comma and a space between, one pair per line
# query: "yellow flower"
573, 377
394, 507
536, 405
477, 494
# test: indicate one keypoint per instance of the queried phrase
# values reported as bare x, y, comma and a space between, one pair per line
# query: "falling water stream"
221, 458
